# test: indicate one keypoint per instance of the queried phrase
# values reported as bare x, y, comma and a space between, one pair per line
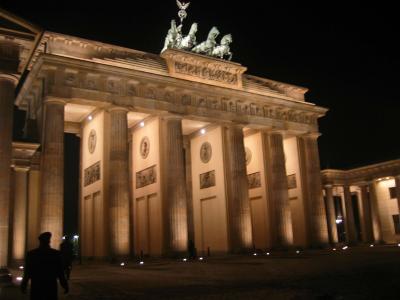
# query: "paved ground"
356, 273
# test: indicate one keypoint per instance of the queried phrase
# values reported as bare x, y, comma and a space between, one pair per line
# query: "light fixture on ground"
372, 245
200, 258
122, 264
267, 253
334, 249
19, 278
21, 267
141, 262
76, 237
345, 247
185, 259
255, 254
298, 252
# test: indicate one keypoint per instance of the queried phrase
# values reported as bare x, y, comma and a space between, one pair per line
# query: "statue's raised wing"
182, 5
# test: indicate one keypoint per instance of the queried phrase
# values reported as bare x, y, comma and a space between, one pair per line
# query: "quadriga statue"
189, 41
223, 49
207, 46
174, 36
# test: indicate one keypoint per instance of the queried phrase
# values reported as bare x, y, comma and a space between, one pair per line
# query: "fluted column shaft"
119, 184
189, 192
7, 87
351, 234
376, 222
397, 182
20, 213
52, 171
331, 216
277, 188
174, 186
312, 191
239, 216
366, 220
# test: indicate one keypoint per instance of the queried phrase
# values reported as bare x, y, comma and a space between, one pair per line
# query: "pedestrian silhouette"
43, 266
67, 255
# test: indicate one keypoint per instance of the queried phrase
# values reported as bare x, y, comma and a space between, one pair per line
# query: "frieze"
254, 180
200, 68
91, 174
134, 88
207, 179
146, 177
292, 183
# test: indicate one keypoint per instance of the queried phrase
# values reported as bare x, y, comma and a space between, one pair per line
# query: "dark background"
346, 54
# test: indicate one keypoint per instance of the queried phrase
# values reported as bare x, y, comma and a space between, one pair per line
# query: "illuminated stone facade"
363, 204
174, 148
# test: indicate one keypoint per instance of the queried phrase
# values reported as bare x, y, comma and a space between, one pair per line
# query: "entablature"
362, 174
77, 80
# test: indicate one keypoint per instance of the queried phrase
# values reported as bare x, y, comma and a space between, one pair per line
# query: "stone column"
52, 171
189, 192
376, 222
7, 88
277, 189
312, 191
238, 204
351, 234
20, 214
366, 220
118, 183
397, 182
331, 216
174, 186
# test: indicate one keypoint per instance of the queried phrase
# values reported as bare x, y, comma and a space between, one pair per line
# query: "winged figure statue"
182, 5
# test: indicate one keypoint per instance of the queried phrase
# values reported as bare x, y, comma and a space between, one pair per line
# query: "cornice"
362, 174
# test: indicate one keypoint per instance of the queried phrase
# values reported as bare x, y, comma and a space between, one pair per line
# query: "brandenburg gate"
175, 147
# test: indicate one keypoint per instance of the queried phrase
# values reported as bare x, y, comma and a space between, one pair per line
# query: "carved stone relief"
254, 180
91, 174
207, 179
292, 183
205, 152
92, 140
248, 155
144, 147
146, 177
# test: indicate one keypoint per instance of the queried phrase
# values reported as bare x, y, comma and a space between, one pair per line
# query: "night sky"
346, 54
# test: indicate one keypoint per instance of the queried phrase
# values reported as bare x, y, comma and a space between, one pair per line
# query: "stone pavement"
355, 273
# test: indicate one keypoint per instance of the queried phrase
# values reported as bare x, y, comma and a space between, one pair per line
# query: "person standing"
67, 255
43, 266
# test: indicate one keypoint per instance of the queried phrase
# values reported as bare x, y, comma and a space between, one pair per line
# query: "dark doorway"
71, 183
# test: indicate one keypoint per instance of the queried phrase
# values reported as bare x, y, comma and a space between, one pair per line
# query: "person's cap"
45, 237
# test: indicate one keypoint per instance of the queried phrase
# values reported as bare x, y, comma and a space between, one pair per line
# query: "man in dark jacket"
43, 266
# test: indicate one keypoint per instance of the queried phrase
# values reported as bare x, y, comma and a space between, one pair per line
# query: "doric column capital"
311, 135
9, 77
54, 100
21, 168
233, 125
117, 109
171, 116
